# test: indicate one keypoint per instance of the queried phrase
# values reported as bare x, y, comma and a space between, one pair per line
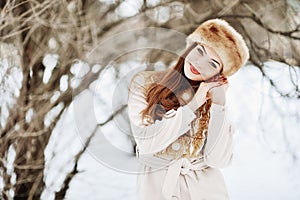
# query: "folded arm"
154, 137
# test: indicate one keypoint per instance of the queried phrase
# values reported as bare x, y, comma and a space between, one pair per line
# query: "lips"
194, 70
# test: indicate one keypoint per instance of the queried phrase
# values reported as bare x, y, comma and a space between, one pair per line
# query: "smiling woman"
179, 121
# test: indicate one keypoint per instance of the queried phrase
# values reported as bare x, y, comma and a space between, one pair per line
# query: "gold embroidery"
171, 153
193, 141
199, 128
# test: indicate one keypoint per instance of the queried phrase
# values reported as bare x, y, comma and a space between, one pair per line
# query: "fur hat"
225, 40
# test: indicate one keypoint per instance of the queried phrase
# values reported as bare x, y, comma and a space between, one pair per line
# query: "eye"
213, 64
200, 51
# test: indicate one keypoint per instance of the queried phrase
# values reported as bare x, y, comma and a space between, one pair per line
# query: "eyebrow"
206, 53
203, 48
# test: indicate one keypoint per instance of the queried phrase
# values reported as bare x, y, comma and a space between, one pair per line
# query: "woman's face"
202, 63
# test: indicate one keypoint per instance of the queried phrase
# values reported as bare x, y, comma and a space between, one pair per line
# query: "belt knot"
185, 167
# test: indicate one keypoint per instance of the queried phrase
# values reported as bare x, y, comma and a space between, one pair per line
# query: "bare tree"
72, 28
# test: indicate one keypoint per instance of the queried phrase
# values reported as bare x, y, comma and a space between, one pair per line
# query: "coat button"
176, 146
185, 96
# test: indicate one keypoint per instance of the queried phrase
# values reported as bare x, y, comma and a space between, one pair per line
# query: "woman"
179, 121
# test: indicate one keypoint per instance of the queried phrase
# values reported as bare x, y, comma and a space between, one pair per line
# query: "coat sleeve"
154, 137
218, 150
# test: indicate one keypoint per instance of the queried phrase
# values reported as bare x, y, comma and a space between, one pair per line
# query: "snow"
50, 61
264, 166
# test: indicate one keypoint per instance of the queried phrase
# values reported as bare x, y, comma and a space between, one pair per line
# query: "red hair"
163, 95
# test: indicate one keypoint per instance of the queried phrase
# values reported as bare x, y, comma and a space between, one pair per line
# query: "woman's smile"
194, 70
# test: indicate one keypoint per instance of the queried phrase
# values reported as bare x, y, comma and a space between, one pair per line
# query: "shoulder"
139, 82
144, 78
141, 75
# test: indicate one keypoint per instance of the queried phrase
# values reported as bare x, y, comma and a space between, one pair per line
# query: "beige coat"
165, 173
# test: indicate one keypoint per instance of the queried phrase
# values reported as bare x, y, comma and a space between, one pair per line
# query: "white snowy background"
266, 141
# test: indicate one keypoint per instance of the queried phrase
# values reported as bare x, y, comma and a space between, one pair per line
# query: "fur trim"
225, 40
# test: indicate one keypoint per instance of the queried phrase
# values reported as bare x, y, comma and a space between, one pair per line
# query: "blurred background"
65, 67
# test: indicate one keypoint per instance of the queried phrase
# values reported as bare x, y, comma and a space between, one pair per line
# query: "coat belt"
181, 166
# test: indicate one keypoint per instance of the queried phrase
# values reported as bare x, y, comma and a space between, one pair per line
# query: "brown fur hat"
225, 40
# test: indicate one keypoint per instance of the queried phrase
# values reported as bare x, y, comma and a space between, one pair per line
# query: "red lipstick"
194, 70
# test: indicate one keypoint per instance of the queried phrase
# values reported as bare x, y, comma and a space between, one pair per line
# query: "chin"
193, 78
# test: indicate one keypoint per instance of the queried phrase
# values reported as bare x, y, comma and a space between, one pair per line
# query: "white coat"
166, 178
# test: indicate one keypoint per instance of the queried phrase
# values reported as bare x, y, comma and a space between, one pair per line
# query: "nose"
202, 61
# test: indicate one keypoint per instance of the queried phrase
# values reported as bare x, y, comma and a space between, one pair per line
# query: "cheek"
189, 58
185, 65
210, 74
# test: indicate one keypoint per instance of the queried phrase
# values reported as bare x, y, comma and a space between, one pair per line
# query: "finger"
218, 85
224, 80
223, 76
221, 83
214, 84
